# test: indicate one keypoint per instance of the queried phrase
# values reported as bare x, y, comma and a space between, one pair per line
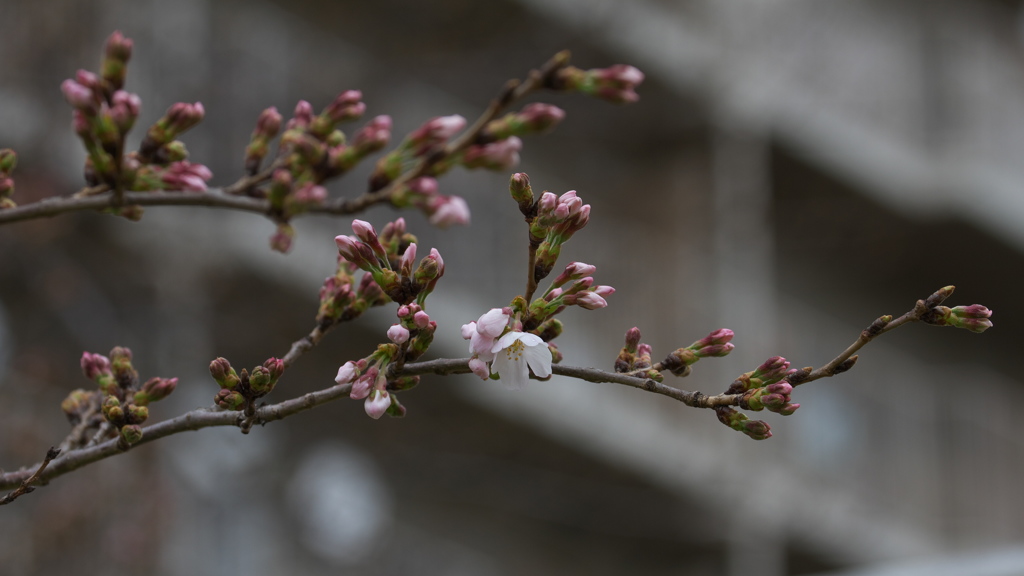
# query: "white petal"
513, 374
539, 360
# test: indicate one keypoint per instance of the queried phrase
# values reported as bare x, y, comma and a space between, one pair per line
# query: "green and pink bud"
522, 193
500, 155
224, 374
131, 434
283, 238
374, 136
154, 390
229, 399
80, 97
718, 337
116, 54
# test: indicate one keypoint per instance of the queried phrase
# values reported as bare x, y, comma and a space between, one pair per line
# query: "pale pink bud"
590, 300
493, 322
346, 106
362, 386
436, 256
421, 319
468, 330
445, 127
479, 367
604, 291
268, 124
539, 116
377, 404
500, 155
364, 231
398, 334
408, 259
347, 372
452, 210
78, 96
424, 185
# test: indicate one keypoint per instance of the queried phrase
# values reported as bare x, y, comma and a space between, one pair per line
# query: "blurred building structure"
794, 169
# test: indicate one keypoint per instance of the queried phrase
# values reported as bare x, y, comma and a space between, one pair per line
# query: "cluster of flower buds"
615, 84
241, 389
369, 381
103, 115
766, 387
635, 357
122, 401
573, 287
312, 150
553, 220
423, 143
312, 147
391, 266
498, 344
756, 429
716, 344
414, 331
974, 317
8, 160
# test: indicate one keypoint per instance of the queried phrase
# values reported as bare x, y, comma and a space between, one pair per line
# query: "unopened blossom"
347, 373
590, 300
377, 403
515, 354
398, 334
448, 211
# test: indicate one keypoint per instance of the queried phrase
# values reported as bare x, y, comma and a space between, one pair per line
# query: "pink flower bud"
302, 115
398, 334
500, 155
363, 384
468, 330
540, 117
590, 300
604, 291
720, 336
479, 367
407, 261
377, 403
492, 323
374, 136
449, 211
118, 47
347, 373
424, 186
268, 124
346, 106
79, 96
421, 319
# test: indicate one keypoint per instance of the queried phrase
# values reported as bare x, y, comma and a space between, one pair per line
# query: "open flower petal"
516, 353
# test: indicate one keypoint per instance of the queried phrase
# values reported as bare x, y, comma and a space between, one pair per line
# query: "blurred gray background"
794, 169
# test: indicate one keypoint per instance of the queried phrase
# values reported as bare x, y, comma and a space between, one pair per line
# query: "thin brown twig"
26, 485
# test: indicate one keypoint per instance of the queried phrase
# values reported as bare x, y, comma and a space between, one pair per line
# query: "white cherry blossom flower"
516, 353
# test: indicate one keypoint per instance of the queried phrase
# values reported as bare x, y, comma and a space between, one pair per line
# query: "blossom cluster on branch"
511, 342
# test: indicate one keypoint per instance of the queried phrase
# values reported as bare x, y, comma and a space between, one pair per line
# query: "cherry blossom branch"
883, 324
102, 197
927, 310
513, 91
